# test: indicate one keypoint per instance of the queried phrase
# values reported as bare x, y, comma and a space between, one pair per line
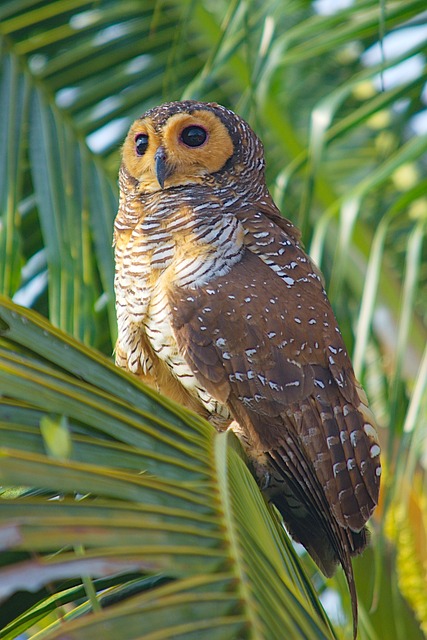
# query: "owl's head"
185, 143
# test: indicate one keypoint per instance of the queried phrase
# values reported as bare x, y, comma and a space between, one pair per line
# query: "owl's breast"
157, 256
187, 248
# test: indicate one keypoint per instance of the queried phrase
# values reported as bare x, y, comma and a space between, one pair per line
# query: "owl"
220, 308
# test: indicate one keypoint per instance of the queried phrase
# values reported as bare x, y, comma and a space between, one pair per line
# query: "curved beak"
160, 167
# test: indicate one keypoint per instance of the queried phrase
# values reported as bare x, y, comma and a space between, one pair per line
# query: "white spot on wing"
374, 451
338, 467
370, 432
351, 464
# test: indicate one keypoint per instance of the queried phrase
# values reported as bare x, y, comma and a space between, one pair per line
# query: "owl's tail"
310, 522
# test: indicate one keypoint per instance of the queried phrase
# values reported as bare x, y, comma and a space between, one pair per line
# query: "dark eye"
141, 143
193, 136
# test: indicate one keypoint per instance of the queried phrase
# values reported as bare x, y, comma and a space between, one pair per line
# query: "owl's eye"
193, 136
141, 143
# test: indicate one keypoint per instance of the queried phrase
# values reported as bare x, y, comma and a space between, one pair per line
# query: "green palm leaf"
169, 496
344, 161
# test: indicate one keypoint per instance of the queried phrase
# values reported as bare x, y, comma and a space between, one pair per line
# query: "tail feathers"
313, 525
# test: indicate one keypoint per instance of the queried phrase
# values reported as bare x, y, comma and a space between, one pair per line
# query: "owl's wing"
263, 339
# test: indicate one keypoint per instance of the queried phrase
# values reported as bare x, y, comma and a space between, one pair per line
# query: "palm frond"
152, 487
346, 161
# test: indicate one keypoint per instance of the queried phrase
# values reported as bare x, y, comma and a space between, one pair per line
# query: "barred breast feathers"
166, 246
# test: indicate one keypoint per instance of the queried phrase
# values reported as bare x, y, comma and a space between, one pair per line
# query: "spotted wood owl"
220, 308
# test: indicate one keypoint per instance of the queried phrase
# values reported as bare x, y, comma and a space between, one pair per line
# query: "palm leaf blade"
193, 524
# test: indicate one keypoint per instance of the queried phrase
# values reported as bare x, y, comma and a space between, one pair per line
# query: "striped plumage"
219, 308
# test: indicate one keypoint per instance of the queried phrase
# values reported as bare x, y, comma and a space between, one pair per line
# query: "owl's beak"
160, 167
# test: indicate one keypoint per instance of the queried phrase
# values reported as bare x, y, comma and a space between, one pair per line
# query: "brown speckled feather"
280, 376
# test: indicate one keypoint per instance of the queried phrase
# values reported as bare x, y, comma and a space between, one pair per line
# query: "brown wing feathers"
248, 355
298, 402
